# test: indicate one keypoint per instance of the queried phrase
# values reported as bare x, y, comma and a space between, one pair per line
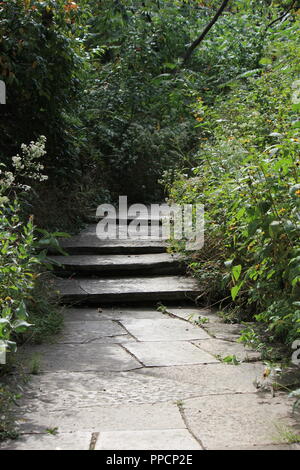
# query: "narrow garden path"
124, 376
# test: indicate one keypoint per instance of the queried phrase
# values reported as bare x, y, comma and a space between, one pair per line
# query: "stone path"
130, 377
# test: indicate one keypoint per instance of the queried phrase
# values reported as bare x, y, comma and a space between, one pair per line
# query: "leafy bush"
18, 272
44, 66
22, 252
40, 63
137, 104
248, 178
27, 306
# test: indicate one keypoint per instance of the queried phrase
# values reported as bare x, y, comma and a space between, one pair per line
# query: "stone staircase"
135, 378
122, 270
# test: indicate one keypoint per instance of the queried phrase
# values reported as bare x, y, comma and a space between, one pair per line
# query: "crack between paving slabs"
202, 327
181, 411
94, 439
172, 341
91, 340
132, 355
119, 322
203, 350
45, 371
186, 320
75, 281
80, 287
247, 360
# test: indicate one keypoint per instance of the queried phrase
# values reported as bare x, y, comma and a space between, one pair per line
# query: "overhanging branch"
196, 43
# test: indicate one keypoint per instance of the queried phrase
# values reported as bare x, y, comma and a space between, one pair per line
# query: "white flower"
25, 166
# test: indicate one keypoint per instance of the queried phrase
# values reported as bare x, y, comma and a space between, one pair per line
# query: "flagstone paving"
140, 392
165, 439
123, 377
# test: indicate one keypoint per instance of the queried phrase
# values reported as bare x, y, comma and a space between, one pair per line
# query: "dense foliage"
105, 83
138, 100
23, 257
27, 306
44, 66
41, 65
247, 176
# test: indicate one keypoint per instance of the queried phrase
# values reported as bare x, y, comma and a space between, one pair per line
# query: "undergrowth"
247, 176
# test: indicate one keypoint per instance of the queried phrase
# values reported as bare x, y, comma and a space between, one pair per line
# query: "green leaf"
235, 290
296, 125
21, 311
295, 281
20, 326
231, 360
236, 272
169, 65
265, 61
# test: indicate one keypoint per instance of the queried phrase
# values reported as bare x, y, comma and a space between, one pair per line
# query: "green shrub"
248, 178
40, 64
22, 251
137, 109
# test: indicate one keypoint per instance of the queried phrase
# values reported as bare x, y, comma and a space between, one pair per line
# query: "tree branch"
282, 16
196, 43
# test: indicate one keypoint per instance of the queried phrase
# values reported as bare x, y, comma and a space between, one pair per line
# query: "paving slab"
222, 348
57, 391
168, 329
79, 357
103, 313
36, 418
210, 379
60, 441
225, 331
160, 263
134, 289
153, 354
102, 331
229, 421
74, 314
193, 314
60, 390
174, 439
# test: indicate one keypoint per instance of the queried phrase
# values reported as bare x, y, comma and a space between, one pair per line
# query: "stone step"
91, 230
89, 243
145, 264
132, 289
145, 215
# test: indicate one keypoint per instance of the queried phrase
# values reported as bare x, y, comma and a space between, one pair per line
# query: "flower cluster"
25, 165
